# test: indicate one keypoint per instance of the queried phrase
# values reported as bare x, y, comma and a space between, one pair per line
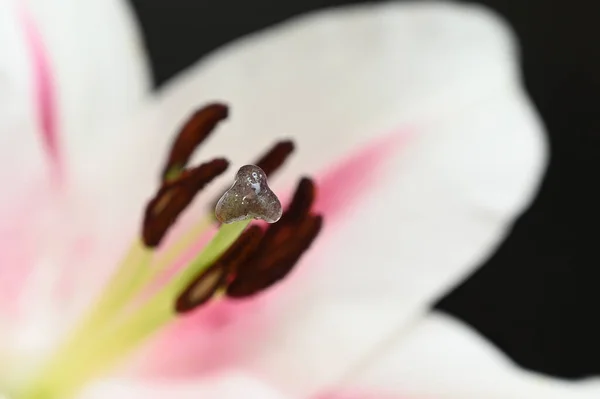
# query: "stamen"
249, 197
205, 285
197, 129
174, 196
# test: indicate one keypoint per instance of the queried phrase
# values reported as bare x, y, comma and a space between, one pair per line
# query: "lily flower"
414, 149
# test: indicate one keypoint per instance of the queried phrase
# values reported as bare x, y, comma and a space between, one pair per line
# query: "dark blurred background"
538, 298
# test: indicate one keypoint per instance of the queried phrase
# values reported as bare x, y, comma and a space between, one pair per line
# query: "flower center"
238, 262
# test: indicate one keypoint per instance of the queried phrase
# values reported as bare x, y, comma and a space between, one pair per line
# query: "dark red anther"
303, 199
202, 289
299, 208
195, 130
272, 160
216, 276
275, 262
174, 196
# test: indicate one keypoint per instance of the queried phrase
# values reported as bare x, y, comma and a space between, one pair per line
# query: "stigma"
249, 197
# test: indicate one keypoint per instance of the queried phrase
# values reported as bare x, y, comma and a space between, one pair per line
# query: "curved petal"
462, 152
444, 358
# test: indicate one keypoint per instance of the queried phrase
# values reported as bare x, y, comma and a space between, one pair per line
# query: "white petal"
230, 385
444, 358
98, 67
444, 74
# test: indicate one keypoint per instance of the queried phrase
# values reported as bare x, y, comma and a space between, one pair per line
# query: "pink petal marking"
344, 183
215, 336
45, 86
17, 247
15, 256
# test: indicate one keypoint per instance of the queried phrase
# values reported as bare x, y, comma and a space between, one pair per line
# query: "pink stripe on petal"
347, 181
44, 89
15, 257
17, 246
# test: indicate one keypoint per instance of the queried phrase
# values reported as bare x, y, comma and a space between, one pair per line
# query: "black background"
538, 298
